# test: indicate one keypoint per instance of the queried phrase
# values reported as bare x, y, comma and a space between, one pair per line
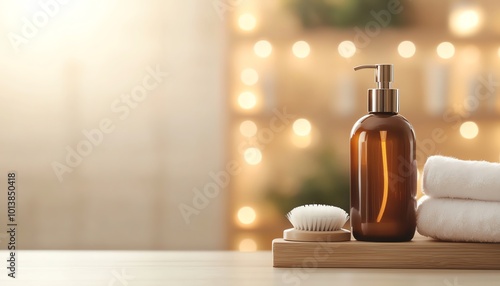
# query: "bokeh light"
445, 50
263, 49
302, 127
247, 22
347, 49
246, 215
406, 49
247, 100
301, 49
249, 76
248, 128
252, 156
465, 21
469, 130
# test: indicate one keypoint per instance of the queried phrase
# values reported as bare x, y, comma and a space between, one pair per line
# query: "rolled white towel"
459, 220
446, 177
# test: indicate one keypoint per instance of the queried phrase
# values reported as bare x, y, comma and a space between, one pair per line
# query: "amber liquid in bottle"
383, 178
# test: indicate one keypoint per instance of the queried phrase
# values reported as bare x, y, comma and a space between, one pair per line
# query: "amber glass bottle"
383, 167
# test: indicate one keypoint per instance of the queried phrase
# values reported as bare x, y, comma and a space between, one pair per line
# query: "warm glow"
469, 130
301, 49
406, 49
249, 76
445, 50
347, 49
301, 141
252, 156
465, 21
248, 128
302, 127
419, 184
247, 100
247, 215
498, 52
247, 245
471, 54
263, 49
247, 22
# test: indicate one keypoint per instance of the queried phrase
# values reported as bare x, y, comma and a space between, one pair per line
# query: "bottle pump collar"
384, 98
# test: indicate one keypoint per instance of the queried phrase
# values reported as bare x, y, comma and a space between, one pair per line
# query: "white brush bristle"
317, 218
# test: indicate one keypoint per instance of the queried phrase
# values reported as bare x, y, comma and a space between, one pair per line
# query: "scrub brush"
317, 223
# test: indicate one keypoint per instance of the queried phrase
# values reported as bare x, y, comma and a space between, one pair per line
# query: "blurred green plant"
328, 184
340, 13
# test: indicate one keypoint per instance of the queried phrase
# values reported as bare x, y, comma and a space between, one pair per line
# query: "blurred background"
163, 124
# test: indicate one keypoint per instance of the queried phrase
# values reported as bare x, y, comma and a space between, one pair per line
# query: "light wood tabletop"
129, 268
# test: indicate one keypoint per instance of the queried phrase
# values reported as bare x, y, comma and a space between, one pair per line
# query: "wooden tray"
420, 253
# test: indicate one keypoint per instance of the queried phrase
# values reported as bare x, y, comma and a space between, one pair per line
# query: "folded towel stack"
462, 201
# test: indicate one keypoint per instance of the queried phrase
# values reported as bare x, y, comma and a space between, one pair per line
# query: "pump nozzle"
384, 75
384, 98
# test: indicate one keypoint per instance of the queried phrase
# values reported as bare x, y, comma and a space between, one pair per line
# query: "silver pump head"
384, 98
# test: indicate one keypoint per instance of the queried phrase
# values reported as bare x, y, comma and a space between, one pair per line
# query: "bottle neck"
383, 113
383, 100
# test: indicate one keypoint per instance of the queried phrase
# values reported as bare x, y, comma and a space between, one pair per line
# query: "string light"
252, 156
302, 127
445, 50
347, 49
247, 100
249, 76
406, 49
246, 215
469, 130
301, 49
248, 128
247, 22
465, 20
263, 49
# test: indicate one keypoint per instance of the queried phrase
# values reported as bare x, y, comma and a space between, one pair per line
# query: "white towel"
459, 220
446, 177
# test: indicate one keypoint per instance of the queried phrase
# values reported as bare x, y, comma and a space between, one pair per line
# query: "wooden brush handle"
317, 236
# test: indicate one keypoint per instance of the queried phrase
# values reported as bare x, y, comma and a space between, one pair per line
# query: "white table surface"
129, 268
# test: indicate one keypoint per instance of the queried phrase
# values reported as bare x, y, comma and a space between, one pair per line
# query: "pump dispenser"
383, 166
